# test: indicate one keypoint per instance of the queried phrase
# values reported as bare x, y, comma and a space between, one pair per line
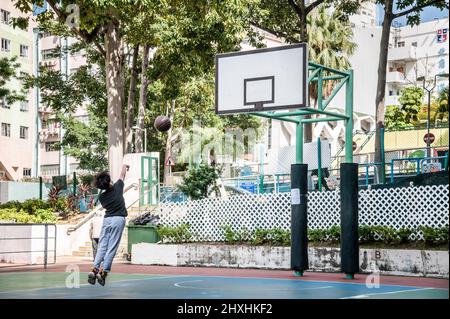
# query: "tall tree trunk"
381, 84
307, 128
142, 100
168, 150
131, 97
114, 88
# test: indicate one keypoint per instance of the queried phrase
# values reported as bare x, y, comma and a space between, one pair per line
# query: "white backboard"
262, 79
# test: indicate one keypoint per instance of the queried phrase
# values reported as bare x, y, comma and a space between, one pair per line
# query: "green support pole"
299, 142
261, 169
383, 160
319, 164
349, 120
74, 183
40, 187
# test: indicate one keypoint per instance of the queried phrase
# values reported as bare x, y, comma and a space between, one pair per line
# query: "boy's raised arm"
124, 171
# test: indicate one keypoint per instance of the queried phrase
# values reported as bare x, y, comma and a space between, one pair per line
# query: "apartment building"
18, 119
29, 129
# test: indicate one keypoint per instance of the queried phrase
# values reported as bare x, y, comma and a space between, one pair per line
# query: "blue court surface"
52, 285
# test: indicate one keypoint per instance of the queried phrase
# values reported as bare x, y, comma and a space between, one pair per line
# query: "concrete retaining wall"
388, 261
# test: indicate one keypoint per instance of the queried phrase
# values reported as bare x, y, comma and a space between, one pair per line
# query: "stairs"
122, 252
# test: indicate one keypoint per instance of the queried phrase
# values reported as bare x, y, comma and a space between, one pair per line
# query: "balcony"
395, 77
406, 54
46, 133
392, 100
45, 110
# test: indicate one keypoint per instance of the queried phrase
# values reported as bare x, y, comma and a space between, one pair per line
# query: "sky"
428, 14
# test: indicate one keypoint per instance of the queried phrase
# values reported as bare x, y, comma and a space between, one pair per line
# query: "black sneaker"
92, 276
101, 277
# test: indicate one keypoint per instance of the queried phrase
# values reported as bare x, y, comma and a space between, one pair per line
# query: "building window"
6, 45
24, 132
24, 51
50, 146
5, 16
6, 129
48, 54
4, 103
414, 44
27, 172
400, 44
391, 93
24, 106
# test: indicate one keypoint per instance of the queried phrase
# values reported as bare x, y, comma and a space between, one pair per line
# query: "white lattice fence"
395, 207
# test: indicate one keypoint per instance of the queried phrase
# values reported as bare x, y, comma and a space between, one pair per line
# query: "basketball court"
157, 282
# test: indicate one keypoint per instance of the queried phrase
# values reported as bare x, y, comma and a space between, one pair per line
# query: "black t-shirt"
112, 200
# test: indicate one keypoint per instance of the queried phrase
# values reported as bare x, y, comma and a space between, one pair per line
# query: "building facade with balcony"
414, 52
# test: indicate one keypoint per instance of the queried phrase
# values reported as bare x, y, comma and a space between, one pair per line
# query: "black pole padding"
349, 219
299, 218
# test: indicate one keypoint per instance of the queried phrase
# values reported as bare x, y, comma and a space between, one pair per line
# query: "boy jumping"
113, 224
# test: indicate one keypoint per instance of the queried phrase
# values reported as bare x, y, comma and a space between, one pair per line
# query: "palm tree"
330, 43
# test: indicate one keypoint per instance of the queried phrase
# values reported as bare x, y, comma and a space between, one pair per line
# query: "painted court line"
389, 293
179, 285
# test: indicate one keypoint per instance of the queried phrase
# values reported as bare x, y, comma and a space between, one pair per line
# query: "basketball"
162, 123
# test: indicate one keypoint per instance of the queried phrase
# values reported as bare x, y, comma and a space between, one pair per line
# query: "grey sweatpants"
108, 244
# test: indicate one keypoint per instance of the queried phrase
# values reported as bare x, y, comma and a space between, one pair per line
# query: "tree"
200, 182
8, 71
330, 43
442, 111
290, 20
186, 34
412, 10
394, 117
411, 101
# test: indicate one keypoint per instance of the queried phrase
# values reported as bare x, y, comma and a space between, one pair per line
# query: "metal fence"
30, 244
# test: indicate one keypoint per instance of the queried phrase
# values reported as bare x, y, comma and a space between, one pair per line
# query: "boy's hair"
102, 180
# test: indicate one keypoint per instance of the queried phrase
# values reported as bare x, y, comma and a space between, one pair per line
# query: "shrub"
177, 234
334, 234
279, 237
260, 237
366, 234
434, 235
39, 216
32, 205
386, 234
404, 234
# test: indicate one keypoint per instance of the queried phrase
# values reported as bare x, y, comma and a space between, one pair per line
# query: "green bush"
233, 237
366, 234
260, 237
387, 234
279, 237
404, 234
12, 204
334, 234
31, 205
178, 234
434, 235
21, 216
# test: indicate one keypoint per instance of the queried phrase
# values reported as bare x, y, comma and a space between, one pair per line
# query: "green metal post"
142, 183
261, 169
40, 187
319, 164
74, 183
349, 120
299, 142
150, 182
383, 159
